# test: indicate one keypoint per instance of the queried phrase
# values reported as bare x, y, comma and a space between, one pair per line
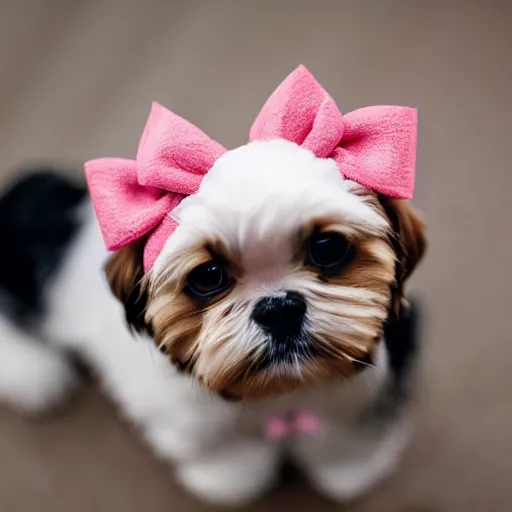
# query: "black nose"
281, 315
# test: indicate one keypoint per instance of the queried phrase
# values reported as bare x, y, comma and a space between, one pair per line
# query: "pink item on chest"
373, 146
278, 428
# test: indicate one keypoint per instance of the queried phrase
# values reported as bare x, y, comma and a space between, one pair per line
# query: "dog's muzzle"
283, 319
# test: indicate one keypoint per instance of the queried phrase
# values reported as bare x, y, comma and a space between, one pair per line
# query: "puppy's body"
218, 446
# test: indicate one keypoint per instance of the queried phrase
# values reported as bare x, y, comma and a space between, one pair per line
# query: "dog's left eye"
208, 279
329, 251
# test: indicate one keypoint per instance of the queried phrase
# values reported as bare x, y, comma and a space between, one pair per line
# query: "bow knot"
372, 146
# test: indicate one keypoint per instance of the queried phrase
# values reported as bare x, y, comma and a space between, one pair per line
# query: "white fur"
33, 377
216, 447
347, 478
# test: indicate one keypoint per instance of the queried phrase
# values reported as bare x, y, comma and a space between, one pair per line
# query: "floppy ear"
409, 238
411, 233
125, 272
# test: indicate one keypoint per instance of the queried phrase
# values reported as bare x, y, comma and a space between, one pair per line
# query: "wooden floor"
76, 81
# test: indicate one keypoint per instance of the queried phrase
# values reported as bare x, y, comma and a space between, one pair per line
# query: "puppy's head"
280, 275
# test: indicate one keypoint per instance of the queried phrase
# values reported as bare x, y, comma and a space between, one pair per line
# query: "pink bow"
373, 146
278, 428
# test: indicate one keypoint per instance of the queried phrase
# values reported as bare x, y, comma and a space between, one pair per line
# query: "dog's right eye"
208, 279
329, 251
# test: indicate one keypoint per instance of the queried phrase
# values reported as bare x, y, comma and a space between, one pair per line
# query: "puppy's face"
279, 276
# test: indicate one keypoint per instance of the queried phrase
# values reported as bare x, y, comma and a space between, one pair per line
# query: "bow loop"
174, 154
301, 111
378, 149
126, 210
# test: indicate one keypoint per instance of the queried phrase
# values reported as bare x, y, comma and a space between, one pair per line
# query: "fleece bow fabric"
373, 146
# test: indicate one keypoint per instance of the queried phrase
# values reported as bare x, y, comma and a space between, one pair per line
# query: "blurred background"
76, 81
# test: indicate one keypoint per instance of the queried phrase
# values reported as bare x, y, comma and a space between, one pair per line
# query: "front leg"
233, 475
350, 464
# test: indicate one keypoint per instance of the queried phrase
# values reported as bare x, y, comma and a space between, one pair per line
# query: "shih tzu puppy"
253, 304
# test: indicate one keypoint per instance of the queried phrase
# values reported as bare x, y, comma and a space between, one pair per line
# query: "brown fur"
177, 318
411, 233
125, 275
409, 241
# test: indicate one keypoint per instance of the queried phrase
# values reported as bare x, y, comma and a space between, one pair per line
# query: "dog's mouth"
288, 351
290, 354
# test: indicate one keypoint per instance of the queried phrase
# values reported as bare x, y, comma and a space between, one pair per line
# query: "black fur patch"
38, 220
401, 338
402, 344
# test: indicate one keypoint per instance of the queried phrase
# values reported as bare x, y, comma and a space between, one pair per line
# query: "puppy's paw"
33, 377
234, 477
347, 480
